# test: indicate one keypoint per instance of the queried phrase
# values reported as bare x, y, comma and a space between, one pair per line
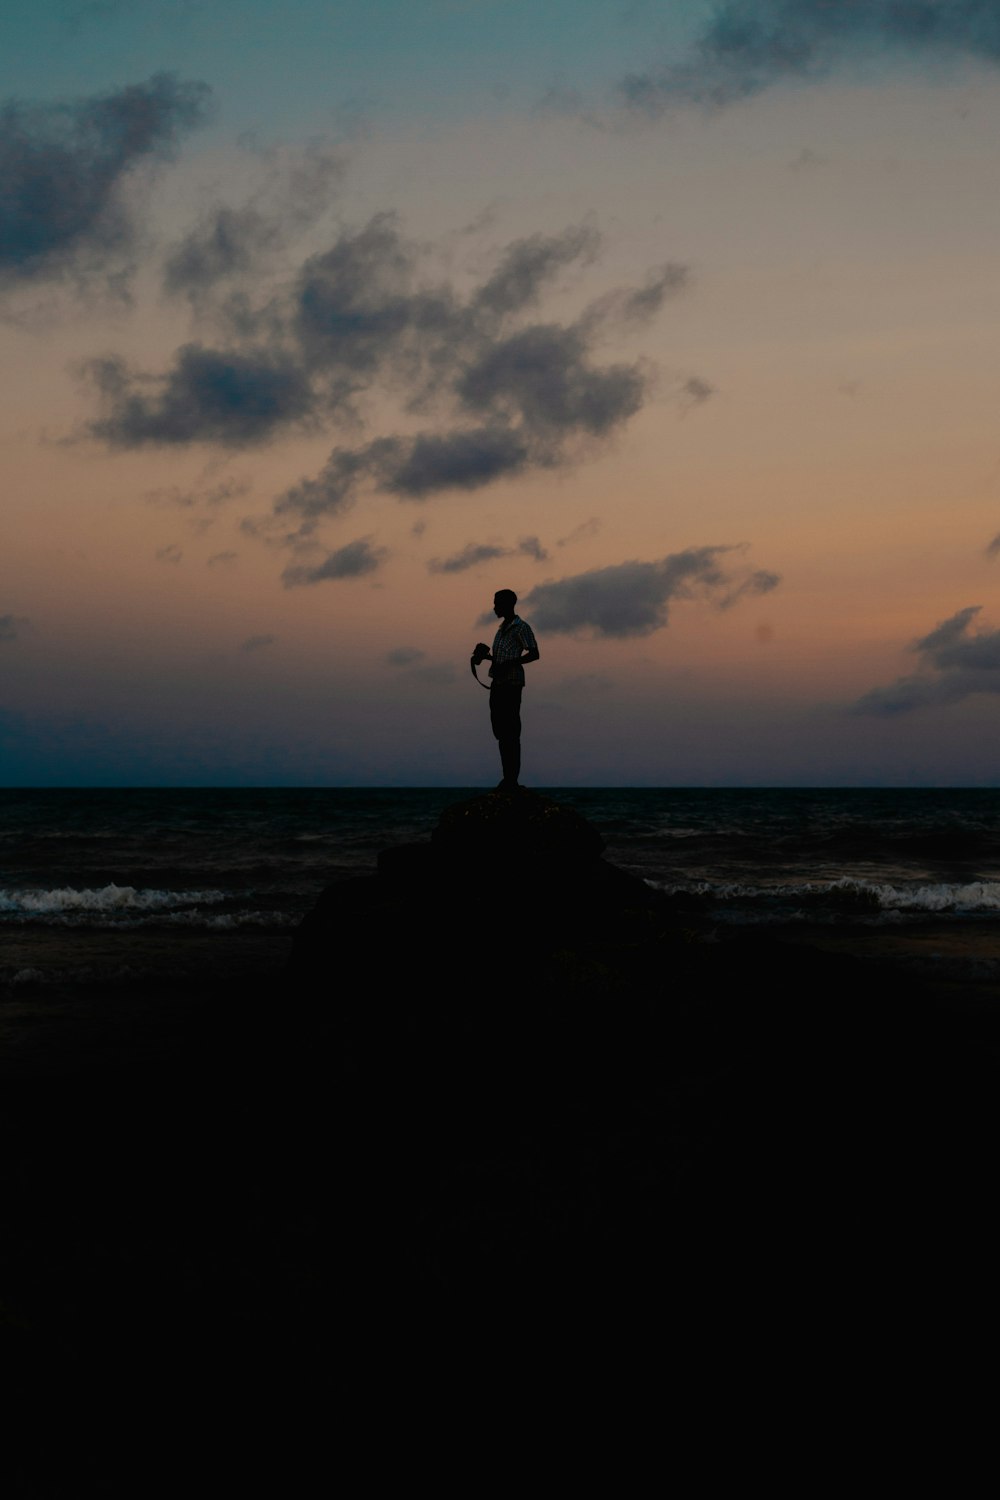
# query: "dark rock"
554, 1073
511, 873
515, 828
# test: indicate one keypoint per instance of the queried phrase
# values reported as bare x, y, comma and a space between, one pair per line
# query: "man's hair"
505, 596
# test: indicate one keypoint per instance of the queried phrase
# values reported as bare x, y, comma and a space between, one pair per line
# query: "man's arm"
531, 653
529, 646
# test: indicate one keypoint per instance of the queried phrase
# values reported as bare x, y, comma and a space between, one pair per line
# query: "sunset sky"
321, 325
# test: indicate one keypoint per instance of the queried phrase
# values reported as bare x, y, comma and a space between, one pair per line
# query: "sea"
126, 887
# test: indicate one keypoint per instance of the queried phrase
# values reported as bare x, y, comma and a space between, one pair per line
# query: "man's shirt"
508, 643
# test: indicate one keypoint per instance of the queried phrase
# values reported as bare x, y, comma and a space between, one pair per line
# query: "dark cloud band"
352, 561
62, 167
747, 46
955, 663
235, 398
476, 553
634, 598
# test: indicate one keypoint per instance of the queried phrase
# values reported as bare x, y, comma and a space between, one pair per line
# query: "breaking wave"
836, 899
111, 898
978, 895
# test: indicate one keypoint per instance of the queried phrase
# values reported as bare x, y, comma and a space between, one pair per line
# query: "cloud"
470, 557
356, 306
530, 546
994, 547
257, 642
169, 554
229, 243
747, 46
541, 377
528, 264
8, 627
695, 391
219, 559
508, 395
352, 561
404, 656
954, 664
761, 581
63, 168
638, 304
586, 528
475, 553
633, 598
210, 495
210, 396
465, 459
334, 487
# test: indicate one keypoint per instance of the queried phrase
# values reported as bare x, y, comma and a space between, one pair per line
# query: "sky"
322, 324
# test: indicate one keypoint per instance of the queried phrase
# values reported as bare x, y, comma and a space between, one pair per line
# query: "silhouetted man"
514, 645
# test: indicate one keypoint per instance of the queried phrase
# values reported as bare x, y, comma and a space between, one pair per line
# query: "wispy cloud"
236, 398
353, 561
586, 528
207, 495
63, 167
634, 598
470, 556
695, 391
230, 244
530, 546
955, 662
511, 394
748, 46
475, 553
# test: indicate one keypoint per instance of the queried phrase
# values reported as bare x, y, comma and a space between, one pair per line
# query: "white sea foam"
110, 899
974, 896
978, 895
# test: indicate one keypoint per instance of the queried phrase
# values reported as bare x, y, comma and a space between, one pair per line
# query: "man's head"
503, 603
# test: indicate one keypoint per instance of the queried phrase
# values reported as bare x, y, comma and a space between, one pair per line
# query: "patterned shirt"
508, 643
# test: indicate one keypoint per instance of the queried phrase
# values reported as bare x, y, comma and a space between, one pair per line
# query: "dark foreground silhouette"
503, 1099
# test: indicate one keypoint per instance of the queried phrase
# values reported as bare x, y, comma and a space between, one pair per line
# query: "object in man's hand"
480, 653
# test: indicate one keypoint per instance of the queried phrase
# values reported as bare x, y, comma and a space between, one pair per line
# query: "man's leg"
510, 758
505, 718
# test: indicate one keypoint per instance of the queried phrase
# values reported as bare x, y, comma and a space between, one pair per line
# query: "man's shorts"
505, 710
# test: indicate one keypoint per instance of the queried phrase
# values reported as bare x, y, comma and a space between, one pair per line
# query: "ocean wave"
221, 921
844, 896
978, 895
111, 898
